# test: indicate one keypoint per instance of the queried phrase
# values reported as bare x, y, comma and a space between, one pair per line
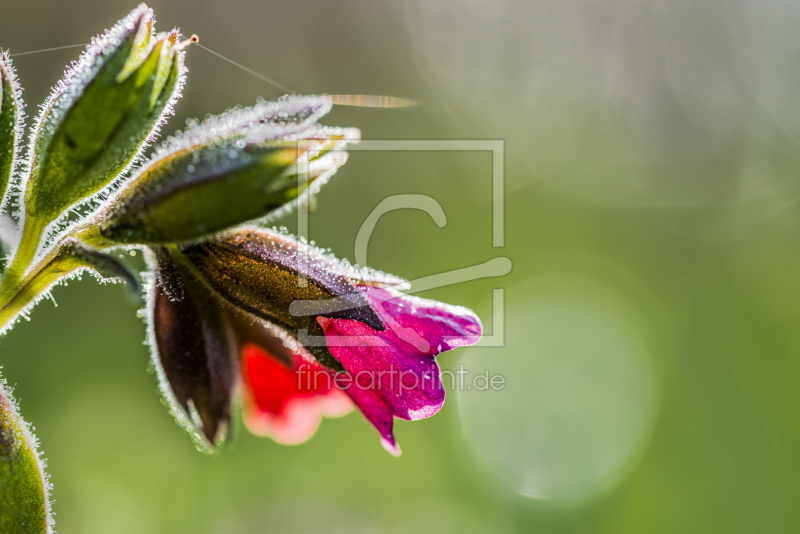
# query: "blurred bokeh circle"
580, 392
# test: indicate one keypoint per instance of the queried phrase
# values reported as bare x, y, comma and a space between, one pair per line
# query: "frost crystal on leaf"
246, 164
12, 128
266, 120
24, 485
95, 125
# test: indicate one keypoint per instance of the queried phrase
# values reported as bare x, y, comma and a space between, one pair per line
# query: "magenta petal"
393, 373
377, 411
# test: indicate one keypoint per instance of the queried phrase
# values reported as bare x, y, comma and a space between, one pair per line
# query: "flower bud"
193, 351
235, 173
24, 488
102, 114
260, 272
11, 123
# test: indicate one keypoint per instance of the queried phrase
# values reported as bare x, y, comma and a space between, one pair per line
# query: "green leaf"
100, 118
11, 123
24, 488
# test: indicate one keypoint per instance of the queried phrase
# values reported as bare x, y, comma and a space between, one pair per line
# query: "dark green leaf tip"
12, 125
105, 265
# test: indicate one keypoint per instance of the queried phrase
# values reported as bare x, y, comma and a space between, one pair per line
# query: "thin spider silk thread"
250, 71
365, 101
46, 50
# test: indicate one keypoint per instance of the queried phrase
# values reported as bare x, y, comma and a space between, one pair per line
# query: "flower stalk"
70, 256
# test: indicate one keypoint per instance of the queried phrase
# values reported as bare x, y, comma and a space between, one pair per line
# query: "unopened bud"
100, 117
228, 171
263, 273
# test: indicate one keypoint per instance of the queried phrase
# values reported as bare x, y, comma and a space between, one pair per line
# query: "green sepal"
194, 350
264, 273
140, 49
198, 191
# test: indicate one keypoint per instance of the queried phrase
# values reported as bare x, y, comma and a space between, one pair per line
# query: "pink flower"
349, 341
390, 373
393, 373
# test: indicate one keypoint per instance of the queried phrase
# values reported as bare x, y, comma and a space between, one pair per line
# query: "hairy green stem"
23, 284
15, 299
32, 231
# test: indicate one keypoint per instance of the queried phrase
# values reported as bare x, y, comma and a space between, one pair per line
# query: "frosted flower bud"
260, 272
102, 114
237, 167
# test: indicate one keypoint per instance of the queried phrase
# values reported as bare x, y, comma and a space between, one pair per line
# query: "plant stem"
14, 299
32, 231
14, 290
23, 285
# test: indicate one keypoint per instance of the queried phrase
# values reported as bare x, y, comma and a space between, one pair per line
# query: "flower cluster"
293, 314
233, 308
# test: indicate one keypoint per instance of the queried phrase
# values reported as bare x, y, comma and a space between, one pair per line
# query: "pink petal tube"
393, 373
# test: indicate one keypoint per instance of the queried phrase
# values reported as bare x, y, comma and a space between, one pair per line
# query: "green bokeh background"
650, 147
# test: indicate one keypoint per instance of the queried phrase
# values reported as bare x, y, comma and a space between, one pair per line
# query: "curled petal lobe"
393, 373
